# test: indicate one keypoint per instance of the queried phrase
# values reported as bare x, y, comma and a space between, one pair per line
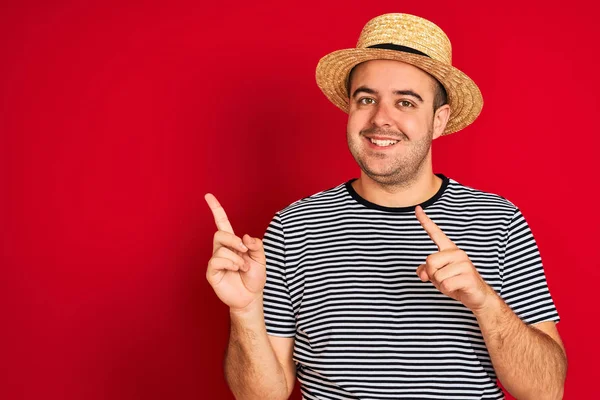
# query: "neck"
405, 194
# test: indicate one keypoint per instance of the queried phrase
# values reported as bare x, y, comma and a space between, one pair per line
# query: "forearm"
528, 362
251, 367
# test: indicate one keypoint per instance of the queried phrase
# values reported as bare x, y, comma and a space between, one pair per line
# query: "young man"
401, 283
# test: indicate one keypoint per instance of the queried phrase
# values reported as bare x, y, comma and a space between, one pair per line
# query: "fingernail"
242, 246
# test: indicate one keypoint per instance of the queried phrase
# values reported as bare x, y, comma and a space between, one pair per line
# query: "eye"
405, 103
366, 101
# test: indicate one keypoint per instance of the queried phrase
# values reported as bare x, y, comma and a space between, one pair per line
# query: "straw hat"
413, 40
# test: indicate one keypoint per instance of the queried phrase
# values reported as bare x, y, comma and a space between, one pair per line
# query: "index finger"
435, 233
218, 213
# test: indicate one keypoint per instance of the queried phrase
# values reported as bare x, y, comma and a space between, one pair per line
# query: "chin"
397, 176
381, 176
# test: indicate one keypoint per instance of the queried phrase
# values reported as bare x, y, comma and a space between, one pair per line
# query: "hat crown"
410, 31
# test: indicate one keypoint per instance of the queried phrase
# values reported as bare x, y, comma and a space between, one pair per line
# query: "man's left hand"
451, 271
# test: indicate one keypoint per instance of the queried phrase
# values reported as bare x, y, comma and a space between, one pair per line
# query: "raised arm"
257, 366
529, 361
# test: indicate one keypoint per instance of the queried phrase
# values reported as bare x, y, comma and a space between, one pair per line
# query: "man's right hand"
237, 269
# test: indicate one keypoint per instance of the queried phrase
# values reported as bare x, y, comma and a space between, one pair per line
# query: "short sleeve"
524, 286
279, 313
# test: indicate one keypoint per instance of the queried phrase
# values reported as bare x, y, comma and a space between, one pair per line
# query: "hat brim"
464, 97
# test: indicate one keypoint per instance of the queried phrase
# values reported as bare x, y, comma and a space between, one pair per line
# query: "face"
391, 121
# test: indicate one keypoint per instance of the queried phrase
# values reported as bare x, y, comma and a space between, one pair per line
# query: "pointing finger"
218, 213
435, 233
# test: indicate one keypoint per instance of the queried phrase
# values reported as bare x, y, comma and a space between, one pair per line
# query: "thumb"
255, 248
422, 273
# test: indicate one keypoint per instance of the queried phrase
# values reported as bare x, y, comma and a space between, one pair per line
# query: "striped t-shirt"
341, 280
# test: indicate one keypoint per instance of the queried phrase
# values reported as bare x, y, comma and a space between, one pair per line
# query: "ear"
440, 119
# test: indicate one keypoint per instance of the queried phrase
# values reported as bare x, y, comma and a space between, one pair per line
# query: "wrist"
254, 308
491, 304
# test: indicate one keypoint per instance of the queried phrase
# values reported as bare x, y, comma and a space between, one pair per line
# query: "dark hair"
440, 97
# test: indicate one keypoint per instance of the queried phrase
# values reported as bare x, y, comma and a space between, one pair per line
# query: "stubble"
401, 169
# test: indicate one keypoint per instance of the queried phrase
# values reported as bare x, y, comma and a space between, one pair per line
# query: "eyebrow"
408, 92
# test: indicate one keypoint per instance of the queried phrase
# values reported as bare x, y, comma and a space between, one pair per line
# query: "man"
401, 283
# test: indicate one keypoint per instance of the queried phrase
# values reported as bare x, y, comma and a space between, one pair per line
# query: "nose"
381, 116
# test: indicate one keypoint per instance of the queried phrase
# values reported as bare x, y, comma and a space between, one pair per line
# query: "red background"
116, 119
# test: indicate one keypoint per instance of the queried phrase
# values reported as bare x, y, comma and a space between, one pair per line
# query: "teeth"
383, 142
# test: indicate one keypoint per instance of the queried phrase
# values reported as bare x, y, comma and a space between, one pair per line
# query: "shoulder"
319, 202
461, 191
463, 196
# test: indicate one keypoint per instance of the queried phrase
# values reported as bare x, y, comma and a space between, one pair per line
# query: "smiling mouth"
383, 143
